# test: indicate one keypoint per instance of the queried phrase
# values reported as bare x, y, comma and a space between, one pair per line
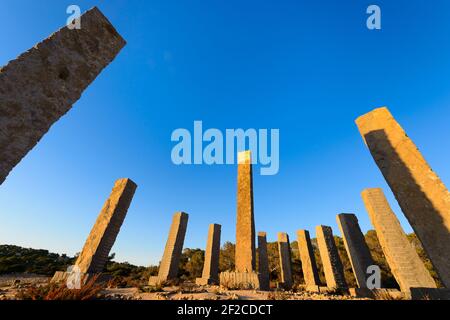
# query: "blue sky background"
309, 68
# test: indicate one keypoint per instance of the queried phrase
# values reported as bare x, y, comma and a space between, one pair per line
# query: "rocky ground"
217, 293
10, 285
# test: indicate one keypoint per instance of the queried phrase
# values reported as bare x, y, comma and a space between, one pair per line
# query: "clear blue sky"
309, 68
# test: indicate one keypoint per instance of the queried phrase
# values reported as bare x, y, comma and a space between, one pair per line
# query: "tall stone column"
245, 226
356, 247
332, 265
263, 262
422, 196
168, 268
309, 265
245, 275
42, 84
404, 262
284, 251
97, 247
210, 273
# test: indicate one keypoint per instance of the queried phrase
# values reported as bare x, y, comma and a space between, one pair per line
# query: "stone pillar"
245, 275
95, 252
263, 262
309, 265
168, 268
422, 196
356, 247
332, 265
42, 84
406, 265
97, 247
284, 251
245, 226
211, 266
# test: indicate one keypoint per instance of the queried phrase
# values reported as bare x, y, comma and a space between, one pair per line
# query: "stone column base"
62, 276
264, 285
284, 286
205, 281
156, 281
239, 280
362, 293
312, 288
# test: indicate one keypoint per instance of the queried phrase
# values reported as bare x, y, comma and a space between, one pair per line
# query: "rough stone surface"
95, 252
245, 259
309, 265
284, 251
263, 262
332, 265
42, 84
356, 247
239, 280
168, 268
422, 196
403, 260
210, 273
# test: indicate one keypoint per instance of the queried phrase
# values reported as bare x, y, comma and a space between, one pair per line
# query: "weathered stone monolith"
284, 251
97, 247
421, 194
356, 247
404, 262
245, 275
245, 225
309, 265
168, 267
42, 84
210, 273
263, 262
332, 265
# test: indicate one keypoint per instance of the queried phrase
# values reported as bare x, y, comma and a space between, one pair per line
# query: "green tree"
191, 264
226, 260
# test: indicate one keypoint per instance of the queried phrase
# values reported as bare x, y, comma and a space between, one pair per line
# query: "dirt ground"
10, 285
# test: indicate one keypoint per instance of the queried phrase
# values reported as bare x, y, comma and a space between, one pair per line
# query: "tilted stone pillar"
332, 265
245, 275
210, 273
404, 262
422, 196
263, 262
168, 268
356, 247
94, 255
42, 84
309, 266
284, 251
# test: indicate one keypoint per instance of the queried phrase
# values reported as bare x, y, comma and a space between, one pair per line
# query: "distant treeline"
14, 259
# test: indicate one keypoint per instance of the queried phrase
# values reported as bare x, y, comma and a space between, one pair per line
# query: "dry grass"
230, 285
89, 291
